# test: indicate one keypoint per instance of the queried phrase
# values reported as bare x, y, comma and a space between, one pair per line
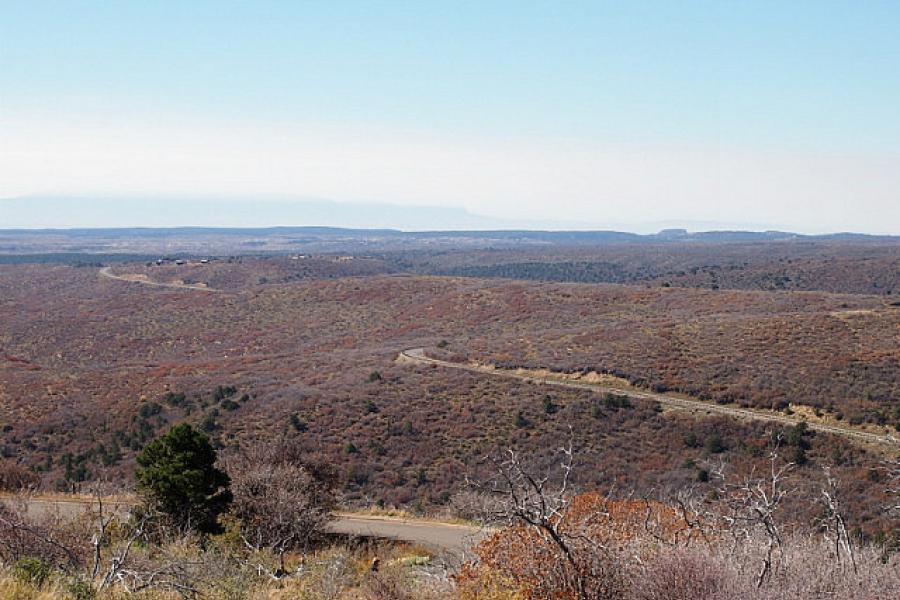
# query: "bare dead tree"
118, 563
529, 498
540, 502
833, 523
100, 537
174, 575
21, 536
166, 568
893, 470
690, 512
750, 507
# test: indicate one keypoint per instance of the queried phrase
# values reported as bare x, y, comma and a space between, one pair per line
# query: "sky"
589, 114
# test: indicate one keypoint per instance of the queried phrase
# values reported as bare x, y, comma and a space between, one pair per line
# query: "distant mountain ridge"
315, 216
172, 212
41, 225
537, 235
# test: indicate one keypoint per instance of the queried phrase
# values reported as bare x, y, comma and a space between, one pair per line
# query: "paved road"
438, 536
434, 535
107, 272
417, 355
61, 507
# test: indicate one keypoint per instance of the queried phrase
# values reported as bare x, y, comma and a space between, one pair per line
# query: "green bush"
223, 391
149, 409
549, 406
714, 444
520, 421
33, 571
297, 423
611, 400
173, 399
80, 590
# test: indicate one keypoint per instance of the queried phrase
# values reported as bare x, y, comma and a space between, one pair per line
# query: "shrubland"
841, 267
92, 369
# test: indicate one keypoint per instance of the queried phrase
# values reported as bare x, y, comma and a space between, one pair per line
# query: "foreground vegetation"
218, 570
634, 570
257, 531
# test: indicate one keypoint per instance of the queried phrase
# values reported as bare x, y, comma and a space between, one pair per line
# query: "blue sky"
778, 113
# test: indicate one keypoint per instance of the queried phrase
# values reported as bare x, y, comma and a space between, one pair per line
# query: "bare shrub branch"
281, 501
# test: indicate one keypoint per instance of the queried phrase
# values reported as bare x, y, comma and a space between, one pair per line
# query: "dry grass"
330, 574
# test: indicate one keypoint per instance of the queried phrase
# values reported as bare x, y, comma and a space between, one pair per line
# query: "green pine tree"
178, 477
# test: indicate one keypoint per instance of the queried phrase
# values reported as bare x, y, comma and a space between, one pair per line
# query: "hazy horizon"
764, 115
35, 213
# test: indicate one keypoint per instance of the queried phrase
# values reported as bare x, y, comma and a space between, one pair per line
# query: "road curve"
430, 534
433, 535
417, 355
107, 272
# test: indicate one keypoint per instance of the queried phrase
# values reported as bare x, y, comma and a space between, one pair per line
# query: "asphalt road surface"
438, 536
431, 534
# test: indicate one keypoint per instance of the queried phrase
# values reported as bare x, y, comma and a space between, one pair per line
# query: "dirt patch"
849, 314
133, 277
592, 377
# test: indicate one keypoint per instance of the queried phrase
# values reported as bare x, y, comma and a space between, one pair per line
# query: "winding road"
434, 535
417, 355
136, 278
431, 534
